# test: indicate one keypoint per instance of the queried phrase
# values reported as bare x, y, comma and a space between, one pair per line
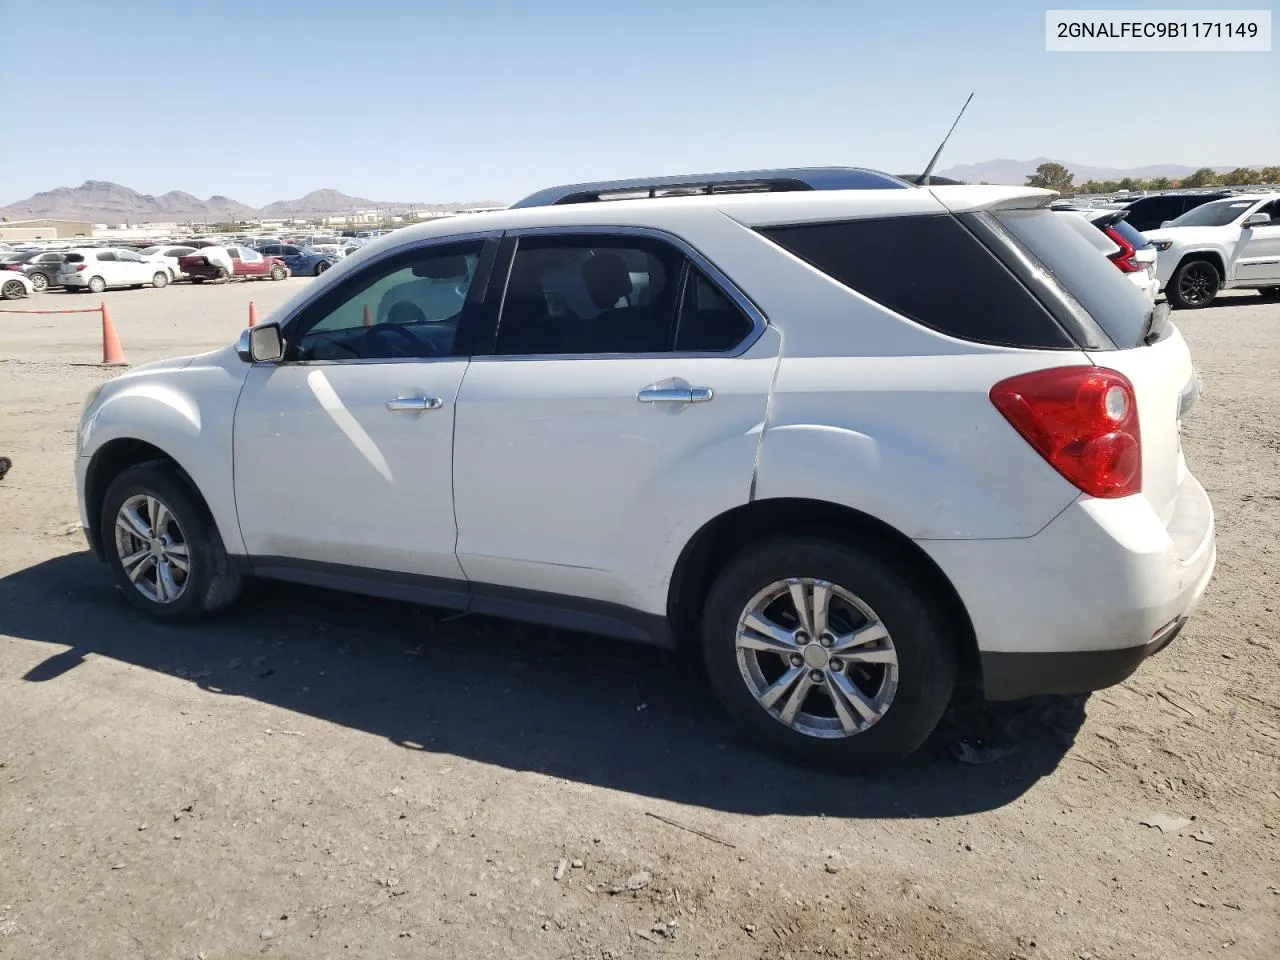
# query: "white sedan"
15, 286
168, 255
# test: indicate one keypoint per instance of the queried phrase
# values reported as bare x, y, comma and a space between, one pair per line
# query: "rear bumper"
1081, 604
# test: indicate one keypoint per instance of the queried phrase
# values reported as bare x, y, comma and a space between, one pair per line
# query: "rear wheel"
827, 655
163, 546
322, 266
39, 281
1193, 285
13, 290
160, 280
97, 284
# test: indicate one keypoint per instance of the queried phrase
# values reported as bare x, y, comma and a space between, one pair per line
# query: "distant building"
44, 229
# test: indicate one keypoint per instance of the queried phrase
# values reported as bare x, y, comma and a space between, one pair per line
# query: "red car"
223, 263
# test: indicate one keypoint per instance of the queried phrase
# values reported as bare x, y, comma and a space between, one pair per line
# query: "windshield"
1216, 214
149, 251
1064, 246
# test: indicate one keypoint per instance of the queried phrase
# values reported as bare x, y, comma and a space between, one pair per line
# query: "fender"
192, 424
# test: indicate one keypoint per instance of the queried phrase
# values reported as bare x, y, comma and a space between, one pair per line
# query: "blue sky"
429, 101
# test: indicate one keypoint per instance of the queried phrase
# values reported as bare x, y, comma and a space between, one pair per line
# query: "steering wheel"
418, 346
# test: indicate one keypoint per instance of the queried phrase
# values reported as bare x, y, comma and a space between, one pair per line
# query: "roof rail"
743, 181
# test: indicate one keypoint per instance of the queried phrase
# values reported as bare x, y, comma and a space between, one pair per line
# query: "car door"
617, 410
344, 450
1258, 254
133, 269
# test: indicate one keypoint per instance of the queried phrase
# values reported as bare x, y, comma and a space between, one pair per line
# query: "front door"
1258, 255
343, 451
619, 410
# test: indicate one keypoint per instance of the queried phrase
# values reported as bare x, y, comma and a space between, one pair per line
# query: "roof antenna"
923, 179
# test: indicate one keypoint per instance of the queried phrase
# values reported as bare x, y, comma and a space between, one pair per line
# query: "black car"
40, 267
1148, 213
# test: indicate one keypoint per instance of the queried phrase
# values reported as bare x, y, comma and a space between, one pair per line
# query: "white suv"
855, 441
96, 268
1217, 246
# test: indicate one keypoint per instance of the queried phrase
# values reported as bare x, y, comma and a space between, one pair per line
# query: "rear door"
613, 413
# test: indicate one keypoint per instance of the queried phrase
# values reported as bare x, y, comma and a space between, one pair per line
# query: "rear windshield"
1115, 304
1131, 236
1216, 214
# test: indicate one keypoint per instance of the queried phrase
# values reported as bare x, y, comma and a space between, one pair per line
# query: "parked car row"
24, 273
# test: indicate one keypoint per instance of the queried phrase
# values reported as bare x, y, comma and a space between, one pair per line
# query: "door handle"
414, 404
675, 395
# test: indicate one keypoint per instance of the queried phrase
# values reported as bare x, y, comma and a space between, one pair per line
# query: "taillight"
1123, 258
1083, 421
81, 266
13, 266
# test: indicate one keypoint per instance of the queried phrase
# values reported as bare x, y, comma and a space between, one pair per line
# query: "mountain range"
100, 201
1016, 171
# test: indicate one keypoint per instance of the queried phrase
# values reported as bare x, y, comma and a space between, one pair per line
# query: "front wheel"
97, 284
13, 290
278, 272
160, 280
827, 655
322, 266
1193, 285
163, 546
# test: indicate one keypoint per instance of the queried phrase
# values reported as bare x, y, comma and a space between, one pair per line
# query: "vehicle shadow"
526, 698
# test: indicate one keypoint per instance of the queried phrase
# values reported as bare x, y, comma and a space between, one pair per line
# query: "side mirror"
1256, 220
261, 344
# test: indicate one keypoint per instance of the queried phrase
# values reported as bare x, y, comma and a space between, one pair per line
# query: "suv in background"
1226, 244
1132, 253
1148, 213
97, 268
729, 414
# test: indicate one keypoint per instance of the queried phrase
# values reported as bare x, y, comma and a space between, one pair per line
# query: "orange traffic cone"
112, 354
368, 316
253, 314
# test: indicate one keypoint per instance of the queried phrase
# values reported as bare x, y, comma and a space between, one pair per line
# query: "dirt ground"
318, 775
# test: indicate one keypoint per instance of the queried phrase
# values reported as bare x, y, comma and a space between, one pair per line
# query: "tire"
160, 280
278, 272
40, 282
223, 275
97, 284
1194, 284
209, 585
13, 290
905, 698
322, 266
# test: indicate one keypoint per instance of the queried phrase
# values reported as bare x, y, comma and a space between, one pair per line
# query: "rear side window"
932, 270
1115, 304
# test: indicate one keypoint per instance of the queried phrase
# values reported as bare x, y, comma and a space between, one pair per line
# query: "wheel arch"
1213, 256
716, 541
107, 463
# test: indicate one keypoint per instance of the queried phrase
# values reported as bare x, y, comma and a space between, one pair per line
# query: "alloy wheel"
1198, 283
817, 658
152, 548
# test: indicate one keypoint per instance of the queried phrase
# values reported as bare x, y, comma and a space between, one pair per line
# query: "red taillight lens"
13, 266
1083, 421
81, 266
1123, 258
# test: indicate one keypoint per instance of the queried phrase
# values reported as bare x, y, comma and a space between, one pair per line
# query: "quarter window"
409, 307
590, 295
709, 321
932, 270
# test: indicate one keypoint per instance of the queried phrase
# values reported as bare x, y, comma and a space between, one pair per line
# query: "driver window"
407, 307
